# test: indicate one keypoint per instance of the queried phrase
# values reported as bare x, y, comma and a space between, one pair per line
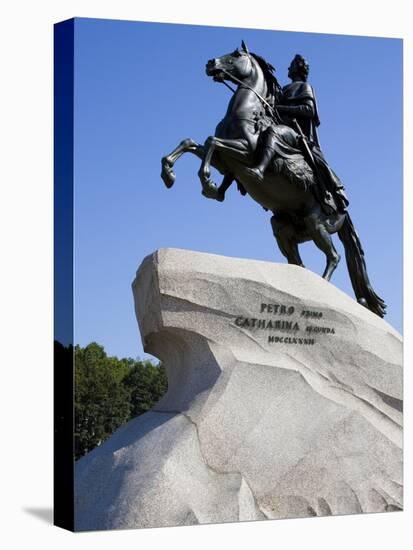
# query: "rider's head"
298, 69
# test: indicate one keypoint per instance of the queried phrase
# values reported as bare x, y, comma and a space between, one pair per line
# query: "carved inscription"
297, 326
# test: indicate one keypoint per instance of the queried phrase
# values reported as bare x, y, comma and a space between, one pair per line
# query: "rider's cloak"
301, 97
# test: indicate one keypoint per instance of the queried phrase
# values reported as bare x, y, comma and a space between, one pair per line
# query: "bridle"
272, 109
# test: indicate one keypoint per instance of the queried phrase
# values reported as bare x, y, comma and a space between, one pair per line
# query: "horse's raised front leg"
186, 146
218, 193
209, 189
233, 148
225, 184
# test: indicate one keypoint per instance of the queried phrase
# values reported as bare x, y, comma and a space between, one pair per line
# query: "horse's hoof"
167, 175
210, 190
168, 179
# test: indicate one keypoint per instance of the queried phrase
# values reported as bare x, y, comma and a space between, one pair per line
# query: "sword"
308, 155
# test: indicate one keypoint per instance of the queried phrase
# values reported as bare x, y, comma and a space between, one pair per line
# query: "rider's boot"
257, 172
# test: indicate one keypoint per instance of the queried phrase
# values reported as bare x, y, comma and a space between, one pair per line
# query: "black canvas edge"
63, 385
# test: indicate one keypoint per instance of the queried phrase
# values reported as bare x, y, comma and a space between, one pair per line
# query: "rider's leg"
266, 152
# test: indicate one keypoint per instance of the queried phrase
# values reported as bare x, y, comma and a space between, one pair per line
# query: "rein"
273, 110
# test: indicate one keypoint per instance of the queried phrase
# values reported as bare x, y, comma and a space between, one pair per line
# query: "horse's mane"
274, 89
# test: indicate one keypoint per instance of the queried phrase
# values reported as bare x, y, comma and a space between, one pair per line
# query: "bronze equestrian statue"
267, 143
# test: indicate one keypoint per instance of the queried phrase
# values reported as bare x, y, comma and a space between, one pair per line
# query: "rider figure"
298, 102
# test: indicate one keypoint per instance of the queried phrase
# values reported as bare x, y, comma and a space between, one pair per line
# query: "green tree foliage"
146, 383
109, 392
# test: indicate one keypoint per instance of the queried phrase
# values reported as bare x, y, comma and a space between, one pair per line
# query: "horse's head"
239, 65
235, 65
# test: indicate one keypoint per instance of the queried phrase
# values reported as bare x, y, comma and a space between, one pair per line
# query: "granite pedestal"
284, 400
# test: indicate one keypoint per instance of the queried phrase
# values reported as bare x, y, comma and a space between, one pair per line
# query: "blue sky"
141, 87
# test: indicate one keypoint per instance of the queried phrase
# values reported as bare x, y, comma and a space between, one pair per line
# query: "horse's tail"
357, 269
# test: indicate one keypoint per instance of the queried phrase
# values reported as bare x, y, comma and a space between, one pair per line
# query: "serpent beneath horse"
287, 189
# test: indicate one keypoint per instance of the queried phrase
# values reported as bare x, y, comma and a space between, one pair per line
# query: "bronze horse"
287, 189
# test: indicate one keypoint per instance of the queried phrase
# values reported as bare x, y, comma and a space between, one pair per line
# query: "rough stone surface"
251, 428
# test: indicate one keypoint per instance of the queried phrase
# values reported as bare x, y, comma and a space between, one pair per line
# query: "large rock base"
284, 400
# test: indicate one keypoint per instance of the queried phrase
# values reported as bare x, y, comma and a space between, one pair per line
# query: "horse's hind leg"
186, 146
286, 237
322, 239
